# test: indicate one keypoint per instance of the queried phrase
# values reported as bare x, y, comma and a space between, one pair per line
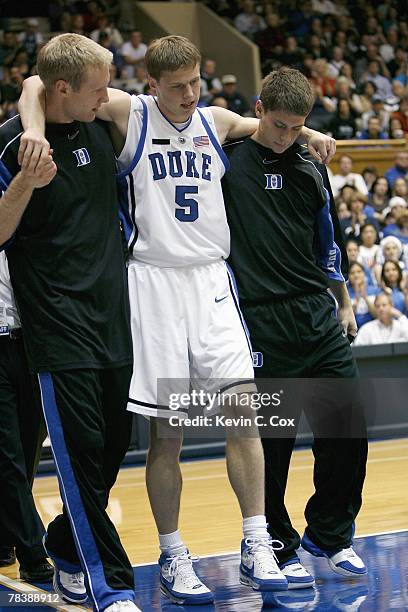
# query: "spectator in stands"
369, 175
322, 112
105, 25
401, 230
400, 188
105, 41
235, 100
398, 61
248, 22
300, 19
382, 83
12, 86
396, 130
219, 101
8, 50
345, 176
369, 251
389, 326
210, 84
352, 225
402, 113
396, 206
365, 95
324, 7
345, 92
316, 46
361, 294
271, 37
373, 131
77, 24
133, 53
401, 73
320, 76
392, 250
347, 72
379, 195
293, 54
342, 210
391, 104
336, 63
92, 13
387, 49
393, 283
343, 124
31, 40
377, 110
352, 250
367, 52
399, 170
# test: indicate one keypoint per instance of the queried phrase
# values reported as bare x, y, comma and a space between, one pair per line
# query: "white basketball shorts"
187, 331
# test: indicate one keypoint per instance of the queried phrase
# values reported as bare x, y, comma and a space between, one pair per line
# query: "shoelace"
264, 549
77, 578
349, 553
183, 565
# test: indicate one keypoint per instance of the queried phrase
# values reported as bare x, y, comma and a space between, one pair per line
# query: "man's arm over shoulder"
231, 126
34, 145
17, 186
116, 110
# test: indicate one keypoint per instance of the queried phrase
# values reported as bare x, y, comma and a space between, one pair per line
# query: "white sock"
171, 543
255, 527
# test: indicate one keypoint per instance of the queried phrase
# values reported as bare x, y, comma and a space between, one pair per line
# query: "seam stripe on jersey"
5, 176
133, 212
5, 180
147, 405
172, 124
237, 383
325, 215
234, 293
214, 140
102, 594
140, 144
10, 142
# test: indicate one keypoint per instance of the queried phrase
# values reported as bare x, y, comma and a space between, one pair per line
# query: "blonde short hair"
170, 53
69, 57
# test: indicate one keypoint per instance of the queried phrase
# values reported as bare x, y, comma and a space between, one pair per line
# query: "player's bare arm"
34, 146
345, 312
230, 126
31, 106
15, 199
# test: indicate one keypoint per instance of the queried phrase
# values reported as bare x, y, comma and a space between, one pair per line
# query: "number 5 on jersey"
188, 210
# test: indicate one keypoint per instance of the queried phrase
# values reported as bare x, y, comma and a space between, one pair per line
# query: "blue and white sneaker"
68, 580
179, 582
345, 562
296, 574
259, 566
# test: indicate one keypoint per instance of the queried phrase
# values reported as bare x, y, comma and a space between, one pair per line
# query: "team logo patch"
273, 181
257, 359
201, 141
82, 157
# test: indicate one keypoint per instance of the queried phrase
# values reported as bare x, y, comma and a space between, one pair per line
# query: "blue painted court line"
384, 589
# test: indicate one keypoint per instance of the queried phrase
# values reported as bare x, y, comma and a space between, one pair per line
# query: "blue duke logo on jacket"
180, 163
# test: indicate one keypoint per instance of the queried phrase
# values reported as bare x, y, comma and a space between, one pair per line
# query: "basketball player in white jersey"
186, 324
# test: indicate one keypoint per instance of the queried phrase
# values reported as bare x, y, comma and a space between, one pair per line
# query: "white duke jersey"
172, 208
